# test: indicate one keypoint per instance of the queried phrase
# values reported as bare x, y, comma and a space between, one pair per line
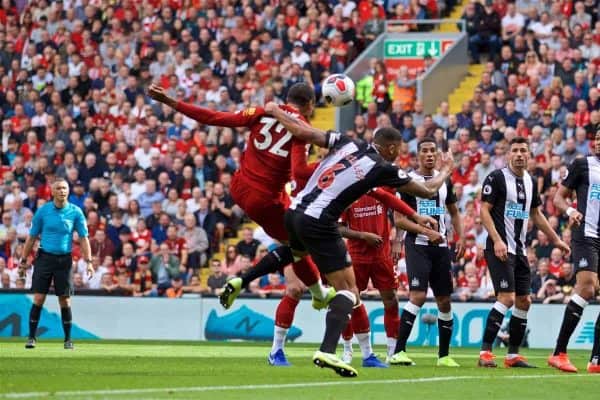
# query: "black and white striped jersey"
349, 171
434, 207
512, 197
584, 178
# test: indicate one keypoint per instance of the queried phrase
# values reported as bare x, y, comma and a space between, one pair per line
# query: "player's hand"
426, 221
372, 239
575, 219
500, 250
460, 248
89, 269
563, 247
434, 237
158, 93
22, 268
447, 161
271, 107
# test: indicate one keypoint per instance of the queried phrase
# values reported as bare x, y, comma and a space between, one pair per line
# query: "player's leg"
340, 308
347, 336
418, 268
383, 276
517, 325
503, 278
40, 285
440, 280
284, 317
359, 321
308, 273
594, 364
585, 261
63, 285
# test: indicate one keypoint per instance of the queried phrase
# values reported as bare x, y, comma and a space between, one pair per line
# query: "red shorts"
381, 273
266, 209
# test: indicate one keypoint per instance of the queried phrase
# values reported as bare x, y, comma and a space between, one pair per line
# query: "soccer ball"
338, 90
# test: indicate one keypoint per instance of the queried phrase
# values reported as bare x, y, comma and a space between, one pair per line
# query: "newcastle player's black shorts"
49, 267
586, 254
429, 266
510, 276
322, 241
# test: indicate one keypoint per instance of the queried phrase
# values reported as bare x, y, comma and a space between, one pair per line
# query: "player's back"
266, 161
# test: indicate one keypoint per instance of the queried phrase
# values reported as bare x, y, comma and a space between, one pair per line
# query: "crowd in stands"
154, 184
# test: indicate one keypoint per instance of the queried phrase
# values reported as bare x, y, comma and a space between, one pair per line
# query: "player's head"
302, 96
597, 143
427, 152
387, 142
518, 153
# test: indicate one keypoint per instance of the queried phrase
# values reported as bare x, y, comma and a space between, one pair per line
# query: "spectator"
164, 267
216, 279
196, 243
248, 245
176, 289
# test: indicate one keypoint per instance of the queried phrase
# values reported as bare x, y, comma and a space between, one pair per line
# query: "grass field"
175, 370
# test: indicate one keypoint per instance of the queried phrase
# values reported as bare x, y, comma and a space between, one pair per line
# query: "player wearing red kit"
366, 224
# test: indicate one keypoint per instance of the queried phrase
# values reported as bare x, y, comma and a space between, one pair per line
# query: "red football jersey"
266, 163
368, 215
176, 246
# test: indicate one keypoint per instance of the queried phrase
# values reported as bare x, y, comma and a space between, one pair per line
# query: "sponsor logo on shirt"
595, 191
515, 211
429, 207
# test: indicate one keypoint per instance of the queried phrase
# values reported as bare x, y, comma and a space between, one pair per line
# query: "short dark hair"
301, 94
386, 135
427, 139
518, 140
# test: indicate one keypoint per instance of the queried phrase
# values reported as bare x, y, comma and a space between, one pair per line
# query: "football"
338, 90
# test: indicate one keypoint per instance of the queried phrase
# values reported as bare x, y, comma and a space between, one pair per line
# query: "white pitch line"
341, 382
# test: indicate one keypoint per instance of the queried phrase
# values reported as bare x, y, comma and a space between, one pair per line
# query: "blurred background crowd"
154, 184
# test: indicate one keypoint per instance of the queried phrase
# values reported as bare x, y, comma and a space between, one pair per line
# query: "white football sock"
278, 338
347, 346
318, 291
364, 341
391, 346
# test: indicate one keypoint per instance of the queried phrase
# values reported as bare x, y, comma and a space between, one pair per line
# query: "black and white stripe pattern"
349, 171
513, 198
584, 178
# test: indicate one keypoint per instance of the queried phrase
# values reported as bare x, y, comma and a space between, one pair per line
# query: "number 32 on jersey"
272, 126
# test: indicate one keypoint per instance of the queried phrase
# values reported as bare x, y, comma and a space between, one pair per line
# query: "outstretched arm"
203, 115
297, 127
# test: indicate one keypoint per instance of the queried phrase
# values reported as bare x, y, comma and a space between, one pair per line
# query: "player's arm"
203, 115
372, 239
458, 228
565, 191
391, 201
301, 169
500, 248
301, 129
542, 223
402, 222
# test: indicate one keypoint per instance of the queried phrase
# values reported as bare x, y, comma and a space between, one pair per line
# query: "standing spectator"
197, 243
248, 244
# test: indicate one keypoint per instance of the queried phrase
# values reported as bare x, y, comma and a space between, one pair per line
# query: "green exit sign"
412, 48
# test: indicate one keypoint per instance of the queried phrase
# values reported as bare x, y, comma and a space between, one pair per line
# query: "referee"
53, 224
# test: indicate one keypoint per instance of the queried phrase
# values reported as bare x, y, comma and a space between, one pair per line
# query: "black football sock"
272, 262
445, 324
34, 319
407, 320
570, 320
338, 315
595, 358
516, 330
66, 316
492, 325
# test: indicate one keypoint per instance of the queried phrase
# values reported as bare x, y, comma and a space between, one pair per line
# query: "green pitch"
174, 370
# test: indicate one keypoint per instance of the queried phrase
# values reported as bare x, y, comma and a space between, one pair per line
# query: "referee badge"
487, 189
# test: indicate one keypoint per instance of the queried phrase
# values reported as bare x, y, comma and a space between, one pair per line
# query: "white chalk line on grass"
341, 382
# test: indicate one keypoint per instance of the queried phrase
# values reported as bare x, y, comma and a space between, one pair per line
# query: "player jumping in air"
348, 172
272, 156
509, 199
428, 258
583, 178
